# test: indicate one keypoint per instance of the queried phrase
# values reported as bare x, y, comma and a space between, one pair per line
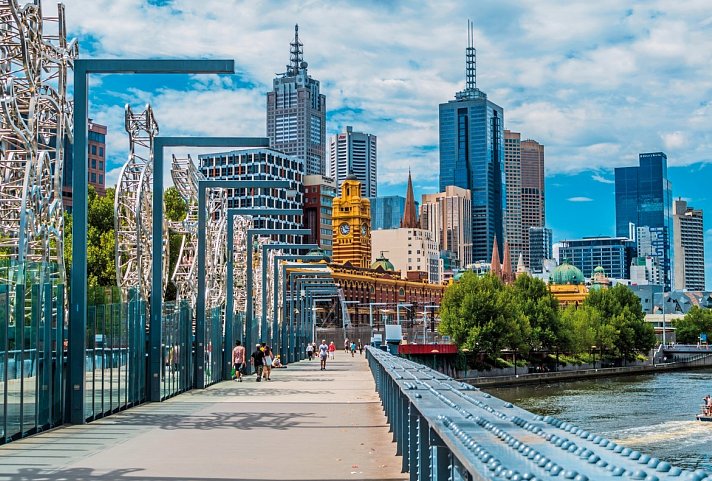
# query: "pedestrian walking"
346, 345
267, 363
353, 348
323, 354
310, 351
332, 349
256, 359
360, 347
238, 360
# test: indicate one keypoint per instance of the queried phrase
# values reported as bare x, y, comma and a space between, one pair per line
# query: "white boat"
705, 414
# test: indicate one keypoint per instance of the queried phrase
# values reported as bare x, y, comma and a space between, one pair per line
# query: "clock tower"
351, 217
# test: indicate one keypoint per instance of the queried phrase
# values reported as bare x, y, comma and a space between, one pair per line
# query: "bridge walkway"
305, 424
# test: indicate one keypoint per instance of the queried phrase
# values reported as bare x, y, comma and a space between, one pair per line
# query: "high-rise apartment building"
689, 235
260, 164
540, 248
386, 211
351, 219
448, 216
644, 199
472, 157
614, 254
513, 178
319, 193
96, 168
354, 153
296, 113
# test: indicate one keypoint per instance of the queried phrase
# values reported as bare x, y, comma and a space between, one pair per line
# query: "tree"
101, 239
478, 313
176, 208
695, 322
541, 309
176, 211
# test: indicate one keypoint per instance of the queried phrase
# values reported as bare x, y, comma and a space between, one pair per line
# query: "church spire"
495, 266
296, 53
410, 217
507, 275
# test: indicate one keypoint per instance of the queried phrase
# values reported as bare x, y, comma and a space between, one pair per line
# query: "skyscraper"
644, 198
296, 113
472, 156
513, 178
614, 254
539, 248
689, 247
354, 153
447, 215
319, 193
387, 211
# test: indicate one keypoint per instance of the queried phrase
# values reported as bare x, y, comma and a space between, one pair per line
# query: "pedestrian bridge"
308, 424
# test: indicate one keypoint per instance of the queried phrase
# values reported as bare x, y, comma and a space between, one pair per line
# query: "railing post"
439, 458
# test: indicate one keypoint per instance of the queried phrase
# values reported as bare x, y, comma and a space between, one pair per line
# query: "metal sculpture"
134, 207
242, 225
35, 122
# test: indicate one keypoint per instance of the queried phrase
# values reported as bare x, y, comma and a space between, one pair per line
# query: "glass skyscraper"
644, 199
472, 157
387, 211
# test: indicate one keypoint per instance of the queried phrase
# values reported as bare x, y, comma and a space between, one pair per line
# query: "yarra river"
653, 413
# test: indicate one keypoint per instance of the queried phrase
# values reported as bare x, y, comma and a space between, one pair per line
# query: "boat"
705, 414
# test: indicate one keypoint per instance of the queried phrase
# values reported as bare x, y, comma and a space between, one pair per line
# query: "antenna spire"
470, 58
296, 53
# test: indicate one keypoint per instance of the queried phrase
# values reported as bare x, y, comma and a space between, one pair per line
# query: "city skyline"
588, 88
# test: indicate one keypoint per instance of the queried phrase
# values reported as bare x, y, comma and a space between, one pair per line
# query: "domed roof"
567, 274
599, 270
351, 176
383, 263
319, 252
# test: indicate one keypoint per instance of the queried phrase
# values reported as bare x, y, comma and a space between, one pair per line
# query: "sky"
595, 82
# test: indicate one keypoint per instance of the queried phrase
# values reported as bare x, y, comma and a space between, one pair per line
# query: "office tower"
689, 247
96, 168
614, 254
644, 270
448, 216
354, 153
411, 250
472, 156
540, 248
351, 217
387, 211
319, 193
513, 178
260, 164
296, 113
644, 198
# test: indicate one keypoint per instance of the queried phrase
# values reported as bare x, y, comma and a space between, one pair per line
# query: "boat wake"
678, 432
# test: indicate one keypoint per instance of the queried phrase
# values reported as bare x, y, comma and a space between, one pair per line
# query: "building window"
101, 165
101, 151
93, 149
93, 177
101, 179
93, 163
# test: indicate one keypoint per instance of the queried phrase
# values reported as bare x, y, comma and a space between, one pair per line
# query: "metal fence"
449, 430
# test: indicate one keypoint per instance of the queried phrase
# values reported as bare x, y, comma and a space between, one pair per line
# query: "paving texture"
305, 424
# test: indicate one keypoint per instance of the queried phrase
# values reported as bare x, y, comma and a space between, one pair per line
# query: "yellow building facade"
351, 217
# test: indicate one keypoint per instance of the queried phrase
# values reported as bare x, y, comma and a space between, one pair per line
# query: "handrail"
446, 429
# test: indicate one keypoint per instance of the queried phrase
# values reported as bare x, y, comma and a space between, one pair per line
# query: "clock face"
344, 229
364, 229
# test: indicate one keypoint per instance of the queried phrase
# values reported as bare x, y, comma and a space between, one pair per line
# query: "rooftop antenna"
296, 53
470, 58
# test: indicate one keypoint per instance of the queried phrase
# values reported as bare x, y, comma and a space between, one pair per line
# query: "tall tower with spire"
296, 112
472, 156
410, 215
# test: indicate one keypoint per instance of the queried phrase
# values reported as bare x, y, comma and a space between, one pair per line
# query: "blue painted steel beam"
297, 342
159, 144
311, 288
78, 302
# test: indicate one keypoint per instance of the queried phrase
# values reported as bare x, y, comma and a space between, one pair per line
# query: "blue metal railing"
448, 430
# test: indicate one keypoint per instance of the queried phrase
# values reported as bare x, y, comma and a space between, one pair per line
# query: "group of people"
707, 407
352, 346
263, 359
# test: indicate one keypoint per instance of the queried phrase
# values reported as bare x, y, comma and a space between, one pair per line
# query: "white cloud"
580, 199
674, 140
602, 180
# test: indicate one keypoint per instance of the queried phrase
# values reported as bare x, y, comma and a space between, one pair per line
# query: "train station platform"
306, 424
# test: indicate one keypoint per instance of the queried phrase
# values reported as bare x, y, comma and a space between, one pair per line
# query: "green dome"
567, 274
383, 263
321, 253
599, 270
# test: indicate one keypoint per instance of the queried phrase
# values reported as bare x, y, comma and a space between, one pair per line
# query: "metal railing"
449, 430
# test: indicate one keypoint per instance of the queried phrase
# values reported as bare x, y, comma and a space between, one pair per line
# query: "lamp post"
78, 302
425, 320
593, 350
370, 311
398, 306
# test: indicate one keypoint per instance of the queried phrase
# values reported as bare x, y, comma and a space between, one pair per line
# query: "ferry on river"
705, 413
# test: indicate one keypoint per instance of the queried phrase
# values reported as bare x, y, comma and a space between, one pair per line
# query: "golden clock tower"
351, 217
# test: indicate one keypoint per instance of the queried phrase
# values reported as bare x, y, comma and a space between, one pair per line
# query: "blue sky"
595, 82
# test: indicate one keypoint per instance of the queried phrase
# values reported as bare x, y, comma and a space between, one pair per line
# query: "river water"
653, 413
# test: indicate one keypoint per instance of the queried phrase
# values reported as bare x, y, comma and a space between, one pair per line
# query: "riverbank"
546, 377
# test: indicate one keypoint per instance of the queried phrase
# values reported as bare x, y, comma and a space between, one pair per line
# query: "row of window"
93, 150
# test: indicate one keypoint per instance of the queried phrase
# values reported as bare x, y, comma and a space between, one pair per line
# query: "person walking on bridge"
332, 350
323, 354
238, 360
257, 359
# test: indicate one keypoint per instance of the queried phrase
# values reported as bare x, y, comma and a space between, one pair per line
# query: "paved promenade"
305, 424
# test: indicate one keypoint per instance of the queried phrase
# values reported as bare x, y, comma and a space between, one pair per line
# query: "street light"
425, 319
370, 311
398, 306
593, 350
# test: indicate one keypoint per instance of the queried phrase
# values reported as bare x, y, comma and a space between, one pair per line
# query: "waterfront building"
689, 249
568, 284
614, 254
96, 167
351, 217
387, 211
319, 193
644, 199
471, 131
296, 113
448, 216
540, 248
260, 164
354, 153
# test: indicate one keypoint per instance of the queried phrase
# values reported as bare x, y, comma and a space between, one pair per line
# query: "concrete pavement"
305, 424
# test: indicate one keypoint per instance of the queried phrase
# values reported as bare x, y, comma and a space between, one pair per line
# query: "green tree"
176, 211
695, 322
101, 239
478, 313
541, 309
176, 208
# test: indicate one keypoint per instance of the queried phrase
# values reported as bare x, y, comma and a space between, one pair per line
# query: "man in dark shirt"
257, 358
